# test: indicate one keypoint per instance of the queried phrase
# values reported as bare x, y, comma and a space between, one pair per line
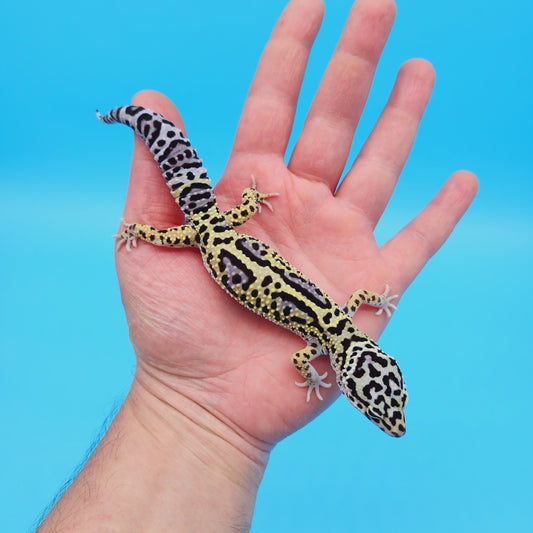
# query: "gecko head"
373, 383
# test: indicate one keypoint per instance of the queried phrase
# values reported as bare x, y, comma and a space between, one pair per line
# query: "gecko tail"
182, 168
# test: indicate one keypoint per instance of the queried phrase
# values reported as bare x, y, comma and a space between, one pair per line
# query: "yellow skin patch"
260, 279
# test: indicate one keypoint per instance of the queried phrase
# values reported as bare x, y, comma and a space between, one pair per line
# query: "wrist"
215, 471
165, 463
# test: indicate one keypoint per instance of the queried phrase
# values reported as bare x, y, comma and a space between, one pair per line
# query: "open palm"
191, 339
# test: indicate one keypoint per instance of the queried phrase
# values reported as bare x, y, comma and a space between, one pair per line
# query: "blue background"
462, 336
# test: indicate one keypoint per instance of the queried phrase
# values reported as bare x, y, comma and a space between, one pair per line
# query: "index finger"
268, 113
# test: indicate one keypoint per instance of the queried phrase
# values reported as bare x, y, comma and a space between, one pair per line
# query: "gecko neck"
350, 340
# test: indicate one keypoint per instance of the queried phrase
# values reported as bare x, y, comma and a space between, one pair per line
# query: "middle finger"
341, 97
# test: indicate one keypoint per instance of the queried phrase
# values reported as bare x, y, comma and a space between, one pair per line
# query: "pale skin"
214, 387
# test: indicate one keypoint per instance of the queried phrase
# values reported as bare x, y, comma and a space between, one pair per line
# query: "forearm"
162, 469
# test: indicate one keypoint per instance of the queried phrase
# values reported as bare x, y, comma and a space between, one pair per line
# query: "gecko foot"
127, 236
262, 197
386, 304
314, 384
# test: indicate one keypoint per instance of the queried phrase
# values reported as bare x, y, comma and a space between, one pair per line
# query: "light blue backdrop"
463, 333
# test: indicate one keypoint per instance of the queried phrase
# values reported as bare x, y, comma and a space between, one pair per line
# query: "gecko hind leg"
176, 237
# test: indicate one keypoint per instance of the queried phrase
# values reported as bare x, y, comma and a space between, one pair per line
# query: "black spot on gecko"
373, 371
190, 164
220, 229
217, 241
339, 328
346, 343
199, 196
267, 280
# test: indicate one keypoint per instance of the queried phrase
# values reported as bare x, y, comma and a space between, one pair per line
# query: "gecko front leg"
313, 380
249, 206
383, 302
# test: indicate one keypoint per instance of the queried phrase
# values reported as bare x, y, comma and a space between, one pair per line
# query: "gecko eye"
374, 413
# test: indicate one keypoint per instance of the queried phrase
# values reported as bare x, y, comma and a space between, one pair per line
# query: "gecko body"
260, 279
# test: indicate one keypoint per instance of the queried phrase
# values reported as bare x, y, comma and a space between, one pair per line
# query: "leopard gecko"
260, 279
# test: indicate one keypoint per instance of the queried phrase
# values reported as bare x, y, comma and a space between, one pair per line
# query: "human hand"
196, 346
214, 387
